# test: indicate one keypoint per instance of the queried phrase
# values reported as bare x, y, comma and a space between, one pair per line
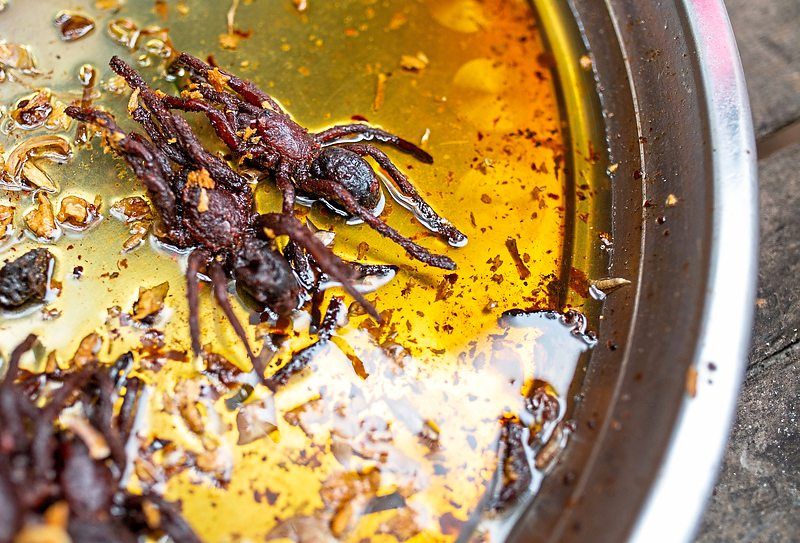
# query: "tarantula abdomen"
265, 276
352, 172
214, 218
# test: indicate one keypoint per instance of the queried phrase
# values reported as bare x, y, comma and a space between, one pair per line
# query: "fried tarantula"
77, 467
208, 207
318, 166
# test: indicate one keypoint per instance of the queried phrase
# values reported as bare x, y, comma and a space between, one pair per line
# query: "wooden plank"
768, 32
778, 307
756, 499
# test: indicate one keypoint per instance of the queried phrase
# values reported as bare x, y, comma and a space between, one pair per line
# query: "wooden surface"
757, 498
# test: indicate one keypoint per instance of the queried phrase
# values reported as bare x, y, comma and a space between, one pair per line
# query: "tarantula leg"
151, 99
219, 283
141, 160
16, 356
327, 261
371, 133
245, 89
303, 358
162, 142
196, 261
337, 192
11, 417
218, 168
218, 121
424, 212
285, 185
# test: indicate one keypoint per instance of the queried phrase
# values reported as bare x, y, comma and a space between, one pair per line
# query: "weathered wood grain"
768, 33
757, 498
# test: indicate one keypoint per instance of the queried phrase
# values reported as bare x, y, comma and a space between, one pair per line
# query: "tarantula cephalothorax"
205, 205
321, 166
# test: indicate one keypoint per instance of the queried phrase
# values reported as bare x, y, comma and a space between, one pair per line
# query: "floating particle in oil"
522, 269
73, 26
672, 200
661, 220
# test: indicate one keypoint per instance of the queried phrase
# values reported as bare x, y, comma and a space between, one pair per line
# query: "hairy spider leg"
288, 225
329, 189
219, 282
140, 159
429, 217
331, 135
303, 358
218, 168
247, 90
196, 260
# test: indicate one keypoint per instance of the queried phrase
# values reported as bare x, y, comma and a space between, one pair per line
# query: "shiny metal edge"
678, 498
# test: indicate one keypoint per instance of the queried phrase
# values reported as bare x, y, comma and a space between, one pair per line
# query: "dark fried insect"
513, 469
25, 279
323, 166
42, 465
205, 205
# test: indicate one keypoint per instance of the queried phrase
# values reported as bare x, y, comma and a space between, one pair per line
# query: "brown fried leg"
372, 133
429, 217
338, 193
327, 261
219, 283
196, 261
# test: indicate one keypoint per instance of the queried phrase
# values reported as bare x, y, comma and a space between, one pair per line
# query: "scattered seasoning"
415, 63
41, 221
380, 92
150, 302
522, 269
73, 26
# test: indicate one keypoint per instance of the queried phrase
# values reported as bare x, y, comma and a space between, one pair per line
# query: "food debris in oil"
405, 404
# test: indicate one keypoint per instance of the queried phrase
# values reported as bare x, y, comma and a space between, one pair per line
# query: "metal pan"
655, 412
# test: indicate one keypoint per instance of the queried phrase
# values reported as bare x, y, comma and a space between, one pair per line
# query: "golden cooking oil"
471, 81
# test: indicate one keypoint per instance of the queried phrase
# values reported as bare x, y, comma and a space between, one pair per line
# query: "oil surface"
482, 100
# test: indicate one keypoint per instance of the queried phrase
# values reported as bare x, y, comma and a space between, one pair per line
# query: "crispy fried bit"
380, 92
20, 172
415, 63
14, 56
131, 209
41, 221
300, 5
77, 212
256, 420
92, 438
513, 477
25, 279
138, 231
133, 101
6, 220
218, 80
86, 354
150, 302
73, 26
200, 178
33, 111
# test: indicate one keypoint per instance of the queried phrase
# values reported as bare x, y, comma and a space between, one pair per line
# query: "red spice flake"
511, 245
486, 199
445, 288
579, 282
